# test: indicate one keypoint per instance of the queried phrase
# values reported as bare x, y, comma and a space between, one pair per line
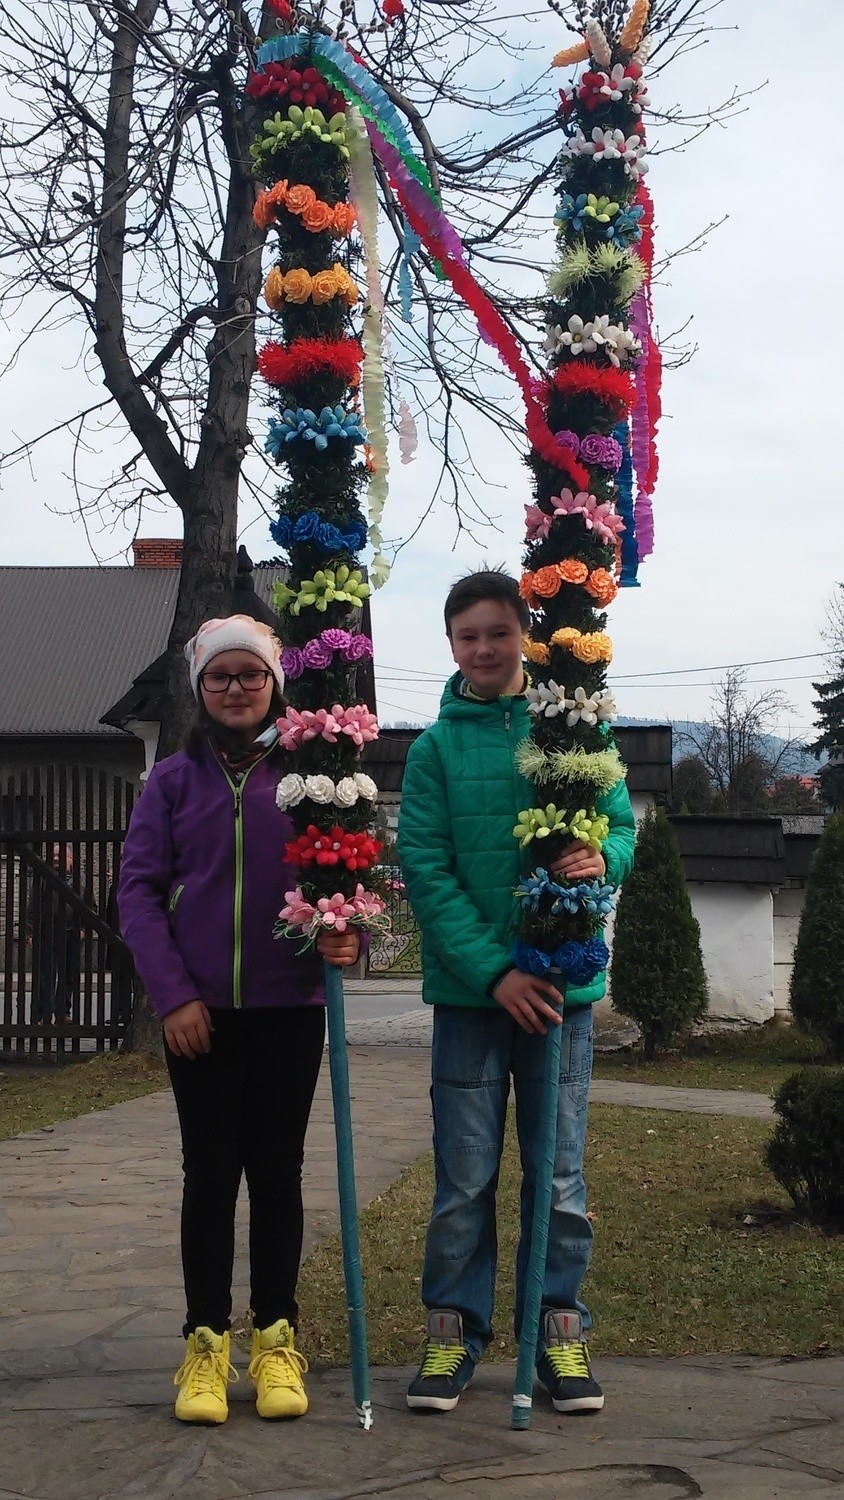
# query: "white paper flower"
366, 786
290, 791
619, 343
590, 707
546, 698
319, 788
553, 340
346, 793
578, 336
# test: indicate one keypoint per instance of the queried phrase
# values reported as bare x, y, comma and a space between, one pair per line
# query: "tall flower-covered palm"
583, 541
312, 366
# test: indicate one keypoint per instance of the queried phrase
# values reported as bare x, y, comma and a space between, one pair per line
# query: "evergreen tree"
658, 977
817, 983
830, 722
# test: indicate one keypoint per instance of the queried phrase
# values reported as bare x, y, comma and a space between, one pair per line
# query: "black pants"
243, 1108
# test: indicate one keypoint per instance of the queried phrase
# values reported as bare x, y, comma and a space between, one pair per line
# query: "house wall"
736, 936
788, 908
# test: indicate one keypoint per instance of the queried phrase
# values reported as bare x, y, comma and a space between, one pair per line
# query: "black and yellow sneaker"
564, 1367
446, 1368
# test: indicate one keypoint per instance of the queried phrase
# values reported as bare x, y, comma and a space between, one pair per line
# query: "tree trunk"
144, 1031
205, 586
650, 1045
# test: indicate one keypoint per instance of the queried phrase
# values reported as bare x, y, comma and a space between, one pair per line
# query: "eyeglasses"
251, 681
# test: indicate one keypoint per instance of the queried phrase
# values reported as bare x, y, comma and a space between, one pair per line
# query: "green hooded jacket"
461, 795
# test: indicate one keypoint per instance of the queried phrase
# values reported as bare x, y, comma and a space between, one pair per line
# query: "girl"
201, 886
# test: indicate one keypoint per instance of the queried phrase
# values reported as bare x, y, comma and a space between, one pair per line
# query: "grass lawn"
696, 1251
758, 1059
43, 1095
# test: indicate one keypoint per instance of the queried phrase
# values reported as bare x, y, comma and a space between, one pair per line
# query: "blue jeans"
475, 1052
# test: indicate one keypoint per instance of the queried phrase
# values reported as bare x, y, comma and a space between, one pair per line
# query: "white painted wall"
788, 907
736, 937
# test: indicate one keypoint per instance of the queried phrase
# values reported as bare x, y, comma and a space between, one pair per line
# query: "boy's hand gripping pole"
535, 1277
339, 1067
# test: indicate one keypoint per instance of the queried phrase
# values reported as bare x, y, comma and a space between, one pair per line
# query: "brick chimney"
157, 552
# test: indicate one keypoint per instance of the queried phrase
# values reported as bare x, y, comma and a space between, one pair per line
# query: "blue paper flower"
531, 960
624, 229
571, 211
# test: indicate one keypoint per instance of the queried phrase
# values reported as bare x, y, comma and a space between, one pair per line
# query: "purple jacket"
202, 882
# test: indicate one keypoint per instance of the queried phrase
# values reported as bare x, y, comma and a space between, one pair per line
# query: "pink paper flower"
335, 911
357, 722
538, 523
298, 912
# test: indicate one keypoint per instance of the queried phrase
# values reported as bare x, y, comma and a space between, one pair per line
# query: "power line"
408, 674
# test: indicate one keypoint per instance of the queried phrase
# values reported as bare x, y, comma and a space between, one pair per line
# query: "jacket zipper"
237, 915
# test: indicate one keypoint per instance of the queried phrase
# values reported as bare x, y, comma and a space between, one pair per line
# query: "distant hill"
796, 763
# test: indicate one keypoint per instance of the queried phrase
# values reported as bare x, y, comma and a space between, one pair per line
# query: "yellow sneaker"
277, 1369
203, 1376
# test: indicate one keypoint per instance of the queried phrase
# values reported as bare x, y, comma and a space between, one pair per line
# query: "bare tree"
737, 744
126, 198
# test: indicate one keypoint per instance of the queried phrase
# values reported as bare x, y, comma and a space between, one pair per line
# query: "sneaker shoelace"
201, 1371
442, 1359
569, 1361
279, 1366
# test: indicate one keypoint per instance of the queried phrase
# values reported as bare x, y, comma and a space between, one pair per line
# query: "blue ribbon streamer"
411, 243
624, 480
279, 48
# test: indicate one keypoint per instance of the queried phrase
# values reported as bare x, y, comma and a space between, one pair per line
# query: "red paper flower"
392, 9
307, 358
292, 85
281, 8
589, 92
614, 388
357, 851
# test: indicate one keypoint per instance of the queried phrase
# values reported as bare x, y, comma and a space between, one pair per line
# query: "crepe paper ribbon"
624, 480
364, 191
439, 238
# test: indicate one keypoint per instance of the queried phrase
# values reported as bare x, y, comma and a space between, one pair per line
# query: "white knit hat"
237, 633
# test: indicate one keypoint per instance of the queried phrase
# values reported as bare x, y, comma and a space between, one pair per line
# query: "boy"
460, 861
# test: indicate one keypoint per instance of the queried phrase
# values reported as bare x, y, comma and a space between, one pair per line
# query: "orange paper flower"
526, 586
344, 218
571, 570
546, 582
300, 198
318, 217
602, 586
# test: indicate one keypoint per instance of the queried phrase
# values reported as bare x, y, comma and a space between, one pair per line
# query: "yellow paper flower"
535, 651
297, 285
324, 286
565, 637
274, 289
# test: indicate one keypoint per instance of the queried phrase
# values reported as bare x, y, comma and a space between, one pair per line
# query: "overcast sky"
749, 519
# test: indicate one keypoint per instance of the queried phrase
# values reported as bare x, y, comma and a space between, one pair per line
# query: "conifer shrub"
805, 1152
817, 980
657, 975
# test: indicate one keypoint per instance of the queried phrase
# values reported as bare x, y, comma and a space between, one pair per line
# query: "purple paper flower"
359, 646
292, 664
567, 439
317, 655
335, 640
597, 449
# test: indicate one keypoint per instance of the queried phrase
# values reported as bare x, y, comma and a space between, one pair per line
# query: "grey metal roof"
73, 639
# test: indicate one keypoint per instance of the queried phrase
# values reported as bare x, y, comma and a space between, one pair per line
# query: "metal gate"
67, 979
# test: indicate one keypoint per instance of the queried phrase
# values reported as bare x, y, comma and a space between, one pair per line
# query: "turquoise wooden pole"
349, 1233
535, 1277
